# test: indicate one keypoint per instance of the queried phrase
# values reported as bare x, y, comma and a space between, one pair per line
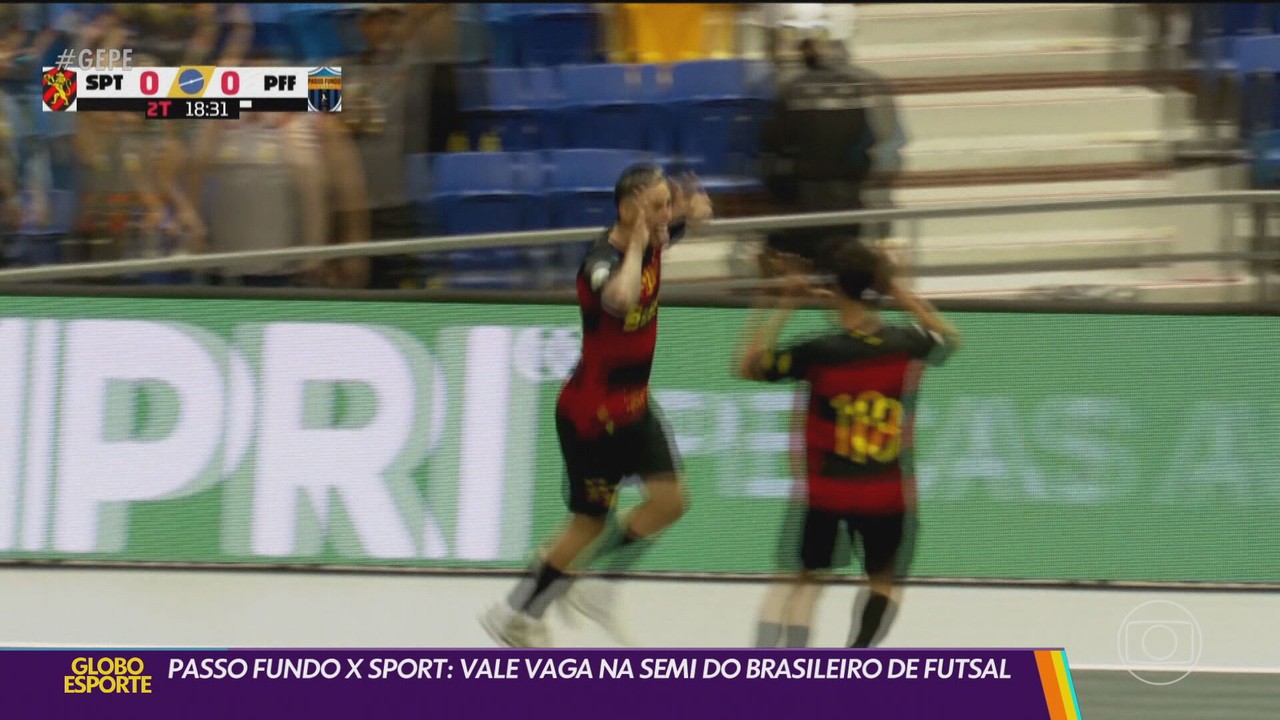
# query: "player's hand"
797, 285
689, 200
634, 222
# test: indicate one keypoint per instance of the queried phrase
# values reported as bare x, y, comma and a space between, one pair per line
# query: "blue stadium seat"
517, 104
1236, 19
1265, 147
1214, 31
1256, 66
614, 106
473, 89
419, 186
485, 192
720, 109
319, 31
547, 9
551, 34
1257, 52
488, 192
503, 46
580, 185
269, 12
273, 29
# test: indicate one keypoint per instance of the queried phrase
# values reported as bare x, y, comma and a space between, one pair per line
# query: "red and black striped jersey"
610, 386
858, 424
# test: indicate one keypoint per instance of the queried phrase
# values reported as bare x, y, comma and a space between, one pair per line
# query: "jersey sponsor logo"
640, 316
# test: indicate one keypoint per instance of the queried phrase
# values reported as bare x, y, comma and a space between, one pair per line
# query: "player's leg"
817, 554
882, 539
643, 449
592, 488
797, 619
550, 575
647, 450
518, 622
773, 612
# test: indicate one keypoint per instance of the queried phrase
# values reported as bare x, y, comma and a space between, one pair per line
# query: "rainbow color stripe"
1059, 690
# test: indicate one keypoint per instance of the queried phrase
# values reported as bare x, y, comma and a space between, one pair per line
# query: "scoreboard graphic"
193, 91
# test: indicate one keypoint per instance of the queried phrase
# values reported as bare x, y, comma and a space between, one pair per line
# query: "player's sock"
538, 590
768, 634
796, 636
872, 615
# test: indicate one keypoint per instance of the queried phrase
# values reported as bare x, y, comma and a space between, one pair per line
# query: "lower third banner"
136, 684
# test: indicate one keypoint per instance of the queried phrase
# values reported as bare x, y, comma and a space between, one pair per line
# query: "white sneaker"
597, 601
514, 629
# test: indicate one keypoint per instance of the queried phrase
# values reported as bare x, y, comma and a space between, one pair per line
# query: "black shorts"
888, 541
791, 540
596, 466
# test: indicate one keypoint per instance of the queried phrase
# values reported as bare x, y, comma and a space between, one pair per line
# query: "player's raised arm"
620, 287
758, 356
945, 335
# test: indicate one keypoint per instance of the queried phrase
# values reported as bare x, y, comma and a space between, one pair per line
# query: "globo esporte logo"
314, 430
107, 675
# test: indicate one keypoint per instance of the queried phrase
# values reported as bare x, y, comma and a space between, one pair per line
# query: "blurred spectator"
346, 195
211, 23
253, 200
10, 198
118, 153
790, 22
437, 45
279, 181
834, 129
111, 150
377, 89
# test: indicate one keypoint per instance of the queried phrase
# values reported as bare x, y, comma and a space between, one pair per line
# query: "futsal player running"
609, 427
862, 379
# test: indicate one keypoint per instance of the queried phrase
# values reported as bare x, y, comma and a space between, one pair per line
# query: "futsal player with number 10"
862, 379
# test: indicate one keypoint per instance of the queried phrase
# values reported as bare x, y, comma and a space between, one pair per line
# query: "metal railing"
1258, 255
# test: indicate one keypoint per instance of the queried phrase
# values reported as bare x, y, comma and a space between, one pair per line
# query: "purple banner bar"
618, 684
